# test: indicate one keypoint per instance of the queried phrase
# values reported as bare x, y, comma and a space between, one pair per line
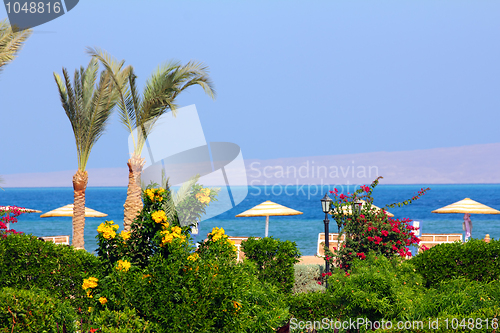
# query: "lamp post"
357, 205
325, 205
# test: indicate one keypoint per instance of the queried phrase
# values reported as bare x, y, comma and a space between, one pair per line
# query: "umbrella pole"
267, 225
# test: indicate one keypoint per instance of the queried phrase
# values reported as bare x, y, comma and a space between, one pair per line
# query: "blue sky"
294, 78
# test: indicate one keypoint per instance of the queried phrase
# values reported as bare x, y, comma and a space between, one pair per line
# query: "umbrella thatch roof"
68, 211
466, 206
269, 208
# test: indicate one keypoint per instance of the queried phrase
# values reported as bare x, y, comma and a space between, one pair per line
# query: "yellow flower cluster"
203, 196
220, 234
217, 234
125, 234
123, 266
91, 282
155, 194
159, 216
103, 300
108, 229
193, 257
168, 236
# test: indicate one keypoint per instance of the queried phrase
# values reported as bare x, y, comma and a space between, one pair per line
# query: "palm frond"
10, 42
87, 106
185, 189
121, 77
167, 82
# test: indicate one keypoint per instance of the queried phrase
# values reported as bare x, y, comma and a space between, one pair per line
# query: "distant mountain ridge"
457, 165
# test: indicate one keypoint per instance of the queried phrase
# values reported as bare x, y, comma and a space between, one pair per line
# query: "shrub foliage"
275, 260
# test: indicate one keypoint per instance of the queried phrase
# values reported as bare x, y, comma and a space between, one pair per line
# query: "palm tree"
88, 108
10, 42
139, 113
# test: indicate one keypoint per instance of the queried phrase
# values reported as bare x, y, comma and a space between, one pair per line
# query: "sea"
301, 229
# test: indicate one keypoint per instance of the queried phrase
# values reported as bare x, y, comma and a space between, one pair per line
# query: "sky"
293, 78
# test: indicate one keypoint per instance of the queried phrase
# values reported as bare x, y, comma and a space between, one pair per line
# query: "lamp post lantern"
325, 205
357, 205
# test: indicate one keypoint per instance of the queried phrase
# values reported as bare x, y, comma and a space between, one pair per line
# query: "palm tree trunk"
79, 186
133, 204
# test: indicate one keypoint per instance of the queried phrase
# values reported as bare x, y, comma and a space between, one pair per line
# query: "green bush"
391, 289
185, 291
34, 311
126, 321
275, 260
307, 278
215, 298
27, 262
314, 306
376, 288
459, 297
473, 260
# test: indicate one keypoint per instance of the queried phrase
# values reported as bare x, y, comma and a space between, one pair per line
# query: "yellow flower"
237, 305
203, 196
159, 216
101, 228
103, 300
168, 236
155, 194
150, 194
217, 234
90, 309
125, 234
109, 234
89, 294
107, 229
91, 282
165, 225
146, 276
193, 257
123, 266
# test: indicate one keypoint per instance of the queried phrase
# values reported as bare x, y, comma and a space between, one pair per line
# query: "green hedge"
378, 288
275, 260
473, 260
27, 262
34, 311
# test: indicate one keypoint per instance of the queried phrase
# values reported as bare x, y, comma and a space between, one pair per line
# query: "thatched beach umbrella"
8, 209
68, 211
267, 209
467, 207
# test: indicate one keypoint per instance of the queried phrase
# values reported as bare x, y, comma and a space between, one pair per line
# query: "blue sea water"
302, 229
